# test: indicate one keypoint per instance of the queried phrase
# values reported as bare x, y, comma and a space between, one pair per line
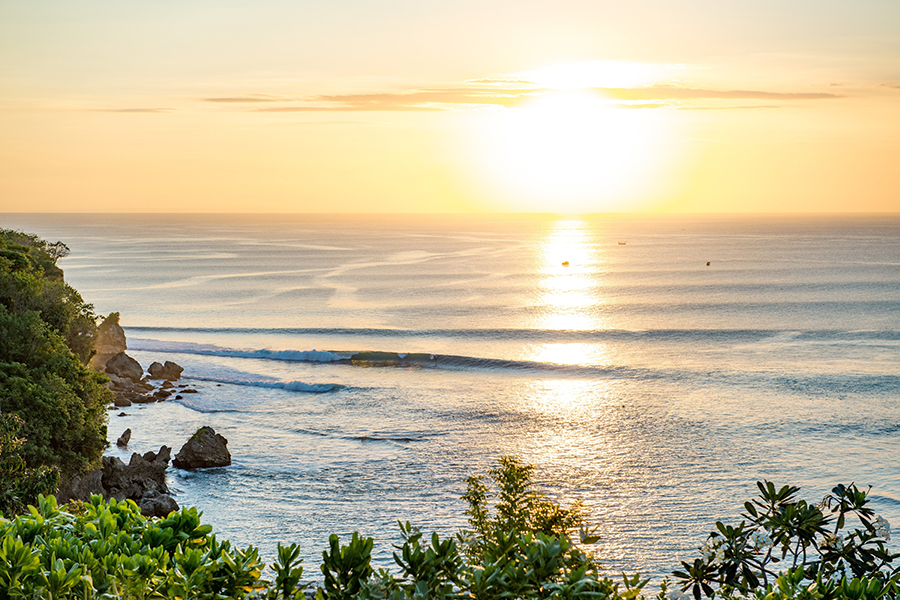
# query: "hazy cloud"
248, 99
742, 107
503, 93
134, 110
678, 93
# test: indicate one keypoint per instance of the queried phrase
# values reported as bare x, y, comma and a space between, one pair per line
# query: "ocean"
361, 367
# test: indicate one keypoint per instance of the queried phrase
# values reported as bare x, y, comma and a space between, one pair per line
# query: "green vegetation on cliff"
47, 335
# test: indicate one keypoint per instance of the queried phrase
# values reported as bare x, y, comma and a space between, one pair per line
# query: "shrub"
46, 337
518, 508
31, 281
20, 485
784, 541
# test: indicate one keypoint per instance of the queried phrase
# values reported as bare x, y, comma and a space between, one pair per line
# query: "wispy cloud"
665, 92
134, 110
248, 99
738, 107
481, 93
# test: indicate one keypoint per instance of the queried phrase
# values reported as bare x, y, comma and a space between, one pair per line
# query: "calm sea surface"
653, 387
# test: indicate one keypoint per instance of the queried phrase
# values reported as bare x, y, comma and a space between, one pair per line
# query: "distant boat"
565, 263
622, 243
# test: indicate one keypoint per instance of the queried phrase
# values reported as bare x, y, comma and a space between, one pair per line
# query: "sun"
570, 149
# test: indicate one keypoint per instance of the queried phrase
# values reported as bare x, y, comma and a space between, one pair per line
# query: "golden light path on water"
572, 265
576, 430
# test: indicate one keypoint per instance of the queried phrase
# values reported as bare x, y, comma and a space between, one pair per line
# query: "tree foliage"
47, 335
518, 508
20, 484
785, 544
31, 281
107, 550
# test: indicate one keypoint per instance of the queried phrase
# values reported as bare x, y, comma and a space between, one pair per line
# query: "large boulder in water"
170, 371
204, 450
110, 341
123, 366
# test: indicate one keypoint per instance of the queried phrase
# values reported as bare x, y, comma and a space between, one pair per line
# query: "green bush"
518, 508
19, 484
108, 550
785, 546
31, 281
46, 337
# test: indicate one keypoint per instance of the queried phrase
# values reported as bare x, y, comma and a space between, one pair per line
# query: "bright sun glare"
570, 149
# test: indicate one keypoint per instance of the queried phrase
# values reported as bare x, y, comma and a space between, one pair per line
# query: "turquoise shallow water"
654, 388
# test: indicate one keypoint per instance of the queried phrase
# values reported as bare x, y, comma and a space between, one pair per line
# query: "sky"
362, 106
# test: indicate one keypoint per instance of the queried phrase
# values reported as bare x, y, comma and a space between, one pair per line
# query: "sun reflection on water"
570, 264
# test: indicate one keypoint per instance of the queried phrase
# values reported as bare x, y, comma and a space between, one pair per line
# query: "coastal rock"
121, 401
124, 438
204, 450
169, 371
110, 341
123, 366
81, 488
144, 386
164, 454
142, 474
154, 504
120, 384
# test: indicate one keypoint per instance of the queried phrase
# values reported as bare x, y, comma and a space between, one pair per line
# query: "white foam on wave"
291, 386
148, 345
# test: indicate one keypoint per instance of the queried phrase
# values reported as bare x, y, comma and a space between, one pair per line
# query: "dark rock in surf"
169, 371
124, 438
123, 366
205, 449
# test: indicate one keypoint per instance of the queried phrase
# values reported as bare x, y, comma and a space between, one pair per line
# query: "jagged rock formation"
143, 480
204, 450
169, 371
110, 341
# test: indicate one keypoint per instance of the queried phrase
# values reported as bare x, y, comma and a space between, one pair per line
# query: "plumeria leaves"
815, 541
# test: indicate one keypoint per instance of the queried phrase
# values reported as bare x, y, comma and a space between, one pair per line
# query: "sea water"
361, 367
